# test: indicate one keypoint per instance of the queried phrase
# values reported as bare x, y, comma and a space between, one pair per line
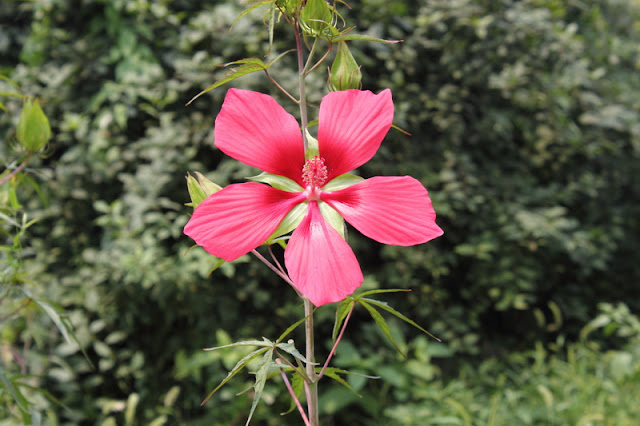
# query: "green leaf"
291, 349
297, 385
340, 380
252, 7
341, 313
246, 66
261, 379
22, 402
238, 367
392, 311
265, 342
54, 312
219, 262
382, 323
378, 291
347, 36
291, 328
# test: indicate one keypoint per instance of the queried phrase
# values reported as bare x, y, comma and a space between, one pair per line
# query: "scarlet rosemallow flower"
311, 194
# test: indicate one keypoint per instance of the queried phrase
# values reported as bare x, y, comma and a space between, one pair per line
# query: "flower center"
314, 172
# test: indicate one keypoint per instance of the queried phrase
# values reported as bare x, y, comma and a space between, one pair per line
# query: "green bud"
316, 19
33, 128
200, 189
345, 73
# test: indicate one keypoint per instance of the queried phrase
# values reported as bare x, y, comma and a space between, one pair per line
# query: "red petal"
351, 127
239, 218
320, 263
391, 210
253, 128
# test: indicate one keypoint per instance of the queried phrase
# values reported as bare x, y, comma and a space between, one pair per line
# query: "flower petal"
351, 127
253, 128
320, 263
239, 218
391, 209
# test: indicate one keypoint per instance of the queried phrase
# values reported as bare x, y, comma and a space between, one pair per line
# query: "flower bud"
316, 19
200, 189
33, 128
345, 73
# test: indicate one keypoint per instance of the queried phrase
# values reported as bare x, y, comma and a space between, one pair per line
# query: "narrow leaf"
297, 385
389, 309
341, 313
387, 290
261, 379
239, 366
264, 343
14, 391
254, 6
333, 374
382, 324
361, 37
291, 328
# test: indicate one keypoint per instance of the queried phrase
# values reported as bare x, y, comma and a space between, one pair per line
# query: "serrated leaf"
238, 367
341, 313
382, 323
392, 311
254, 6
261, 379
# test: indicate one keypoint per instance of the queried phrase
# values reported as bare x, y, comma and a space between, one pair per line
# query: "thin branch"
289, 95
273, 268
275, 260
16, 170
285, 379
335, 345
321, 60
15, 311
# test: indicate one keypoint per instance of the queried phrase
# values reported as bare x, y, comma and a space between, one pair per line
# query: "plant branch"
289, 95
304, 121
16, 170
312, 395
293, 394
281, 274
335, 345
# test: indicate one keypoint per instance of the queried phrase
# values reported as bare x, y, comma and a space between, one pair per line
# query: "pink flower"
312, 195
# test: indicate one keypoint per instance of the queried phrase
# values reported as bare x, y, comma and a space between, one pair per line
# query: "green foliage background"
525, 128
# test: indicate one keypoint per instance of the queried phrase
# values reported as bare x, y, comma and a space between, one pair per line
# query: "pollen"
314, 172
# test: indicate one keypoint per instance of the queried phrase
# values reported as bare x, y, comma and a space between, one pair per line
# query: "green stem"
312, 395
304, 121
